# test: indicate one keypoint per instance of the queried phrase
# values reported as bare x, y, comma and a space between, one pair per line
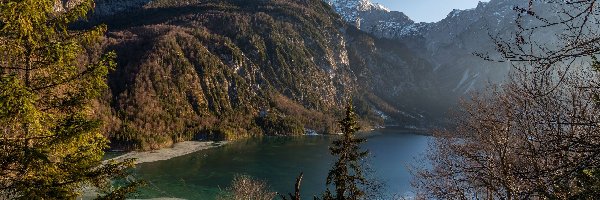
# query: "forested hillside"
229, 69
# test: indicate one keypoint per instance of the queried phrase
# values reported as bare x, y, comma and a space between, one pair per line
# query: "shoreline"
188, 147
178, 149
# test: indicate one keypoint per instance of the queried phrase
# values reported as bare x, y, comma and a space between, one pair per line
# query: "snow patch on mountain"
350, 9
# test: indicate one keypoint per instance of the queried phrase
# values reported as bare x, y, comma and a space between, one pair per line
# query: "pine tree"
347, 175
50, 144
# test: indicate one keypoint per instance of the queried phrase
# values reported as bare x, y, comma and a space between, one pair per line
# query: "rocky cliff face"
234, 68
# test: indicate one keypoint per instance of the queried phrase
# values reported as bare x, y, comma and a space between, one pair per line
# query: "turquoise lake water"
278, 160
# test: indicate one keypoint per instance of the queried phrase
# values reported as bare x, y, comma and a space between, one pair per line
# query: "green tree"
50, 143
347, 175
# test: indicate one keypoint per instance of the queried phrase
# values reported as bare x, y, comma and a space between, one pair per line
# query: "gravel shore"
179, 149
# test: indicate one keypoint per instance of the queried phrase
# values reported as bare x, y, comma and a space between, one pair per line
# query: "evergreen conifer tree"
50, 143
347, 175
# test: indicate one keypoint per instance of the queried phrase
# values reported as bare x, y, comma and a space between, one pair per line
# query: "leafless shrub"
511, 143
247, 188
537, 137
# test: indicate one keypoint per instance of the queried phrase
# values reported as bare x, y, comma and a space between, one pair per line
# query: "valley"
299, 99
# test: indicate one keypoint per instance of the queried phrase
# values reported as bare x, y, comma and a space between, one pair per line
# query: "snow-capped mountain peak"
374, 18
360, 5
351, 10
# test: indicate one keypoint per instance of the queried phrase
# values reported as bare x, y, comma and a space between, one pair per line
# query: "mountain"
376, 18
449, 45
228, 69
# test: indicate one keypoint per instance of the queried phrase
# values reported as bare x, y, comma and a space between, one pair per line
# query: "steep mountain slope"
227, 69
450, 43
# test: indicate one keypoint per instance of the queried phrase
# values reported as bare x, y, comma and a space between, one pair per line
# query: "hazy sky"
428, 10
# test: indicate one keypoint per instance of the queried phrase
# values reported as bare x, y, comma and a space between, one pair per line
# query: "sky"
427, 10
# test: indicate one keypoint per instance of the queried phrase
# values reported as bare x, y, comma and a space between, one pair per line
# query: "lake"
278, 161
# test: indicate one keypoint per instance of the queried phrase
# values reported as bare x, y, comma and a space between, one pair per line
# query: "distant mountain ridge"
441, 43
444, 44
448, 44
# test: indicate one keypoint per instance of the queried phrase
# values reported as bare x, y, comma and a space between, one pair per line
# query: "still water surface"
278, 160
